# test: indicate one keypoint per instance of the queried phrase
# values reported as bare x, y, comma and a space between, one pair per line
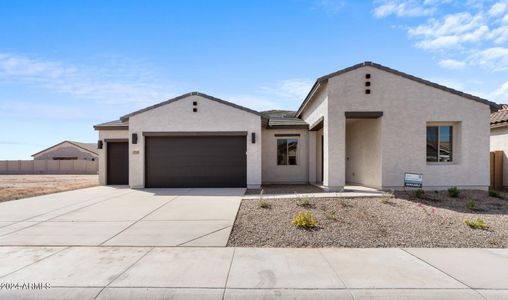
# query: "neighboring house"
366, 124
499, 136
69, 150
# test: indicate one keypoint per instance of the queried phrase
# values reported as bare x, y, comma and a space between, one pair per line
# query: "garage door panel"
211, 161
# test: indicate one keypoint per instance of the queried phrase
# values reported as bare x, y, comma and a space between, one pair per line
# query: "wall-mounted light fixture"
134, 138
99, 144
253, 137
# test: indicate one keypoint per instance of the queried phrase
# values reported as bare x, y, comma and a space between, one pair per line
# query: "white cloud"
122, 83
401, 8
498, 8
330, 6
450, 32
452, 64
290, 88
495, 59
500, 95
472, 33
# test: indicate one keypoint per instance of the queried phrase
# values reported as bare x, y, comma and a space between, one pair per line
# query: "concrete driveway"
118, 216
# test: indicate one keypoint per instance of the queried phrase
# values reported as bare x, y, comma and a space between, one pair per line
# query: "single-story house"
366, 124
69, 150
499, 136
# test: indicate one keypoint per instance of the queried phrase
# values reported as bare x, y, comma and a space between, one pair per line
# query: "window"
286, 152
439, 143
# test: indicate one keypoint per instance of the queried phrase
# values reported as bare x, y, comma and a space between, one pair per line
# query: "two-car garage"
190, 141
195, 161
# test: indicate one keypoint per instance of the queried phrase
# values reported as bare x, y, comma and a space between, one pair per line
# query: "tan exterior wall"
105, 135
363, 152
499, 141
273, 173
65, 150
407, 106
210, 117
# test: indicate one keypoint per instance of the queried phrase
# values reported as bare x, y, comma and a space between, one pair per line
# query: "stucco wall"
104, 135
273, 173
408, 106
179, 117
499, 141
315, 110
363, 152
65, 150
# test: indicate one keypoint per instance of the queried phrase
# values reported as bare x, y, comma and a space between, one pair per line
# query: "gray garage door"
195, 161
117, 163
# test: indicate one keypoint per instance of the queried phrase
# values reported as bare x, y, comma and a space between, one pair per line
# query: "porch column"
334, 152
312, 157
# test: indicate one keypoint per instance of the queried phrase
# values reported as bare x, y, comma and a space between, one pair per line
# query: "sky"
67, 65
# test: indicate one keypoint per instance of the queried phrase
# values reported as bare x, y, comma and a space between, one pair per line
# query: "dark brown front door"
195, 161
118, 163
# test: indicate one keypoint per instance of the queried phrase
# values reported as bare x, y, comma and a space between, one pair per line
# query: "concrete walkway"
248, 273
118, 216
349, 191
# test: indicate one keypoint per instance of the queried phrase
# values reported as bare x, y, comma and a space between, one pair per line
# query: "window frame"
438, 137
287, 139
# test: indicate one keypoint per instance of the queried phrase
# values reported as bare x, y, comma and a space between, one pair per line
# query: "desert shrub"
453, 192
419, 193
331, 215
264, 204
494, 194
304, 202
304, 220
386, 200
471, 203
476, 224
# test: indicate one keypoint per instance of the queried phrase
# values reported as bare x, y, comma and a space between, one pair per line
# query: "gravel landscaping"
403, 220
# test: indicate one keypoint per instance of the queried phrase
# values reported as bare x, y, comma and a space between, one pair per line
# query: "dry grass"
435, 220
14, 187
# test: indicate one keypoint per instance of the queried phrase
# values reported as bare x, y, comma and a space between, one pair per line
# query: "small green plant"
386, 200
471, 203
304, 202
494, 194
332, 215
305, 220
476, 224
453, 192
419, 193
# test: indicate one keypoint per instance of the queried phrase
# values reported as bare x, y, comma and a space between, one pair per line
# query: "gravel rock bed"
402, 221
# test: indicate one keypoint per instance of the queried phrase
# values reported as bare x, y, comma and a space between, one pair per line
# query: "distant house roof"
113, 125
500, 117
90, 147
325, 78
284, 119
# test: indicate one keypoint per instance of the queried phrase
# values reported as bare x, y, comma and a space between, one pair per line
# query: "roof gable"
325, 78
126, 117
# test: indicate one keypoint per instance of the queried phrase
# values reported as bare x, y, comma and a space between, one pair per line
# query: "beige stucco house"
68, 150
366, 124
499, 137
